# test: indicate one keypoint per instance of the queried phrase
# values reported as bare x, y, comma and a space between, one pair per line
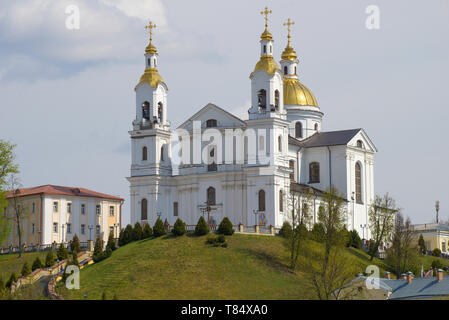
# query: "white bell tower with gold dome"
302, 107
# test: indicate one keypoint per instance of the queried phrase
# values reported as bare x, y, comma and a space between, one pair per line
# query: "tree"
201, 228
147, 231
26, 270
62, 252
286, 230
49, 259
127, 235
225, 227
37, 264
179, 228
74, 259
422, 245
158, 228
18, 208
137, 232
98, 250
402, 255
354, 239
381, 220
111, 242
318, 232
436, 252
75, 244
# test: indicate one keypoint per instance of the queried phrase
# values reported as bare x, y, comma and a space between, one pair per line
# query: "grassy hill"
12, 263
251, 267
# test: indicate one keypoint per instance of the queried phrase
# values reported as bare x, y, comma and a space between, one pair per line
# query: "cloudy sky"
67, 98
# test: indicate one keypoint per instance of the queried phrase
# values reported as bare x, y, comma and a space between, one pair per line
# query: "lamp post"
353, 208
62, 235
363, 226
115, 230
256, 212
437, 208
90, 232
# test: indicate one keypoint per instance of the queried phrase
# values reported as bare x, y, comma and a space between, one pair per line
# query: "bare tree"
381, 220
19, 211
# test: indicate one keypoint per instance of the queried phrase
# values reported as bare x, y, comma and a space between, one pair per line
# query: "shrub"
12, 279
436, 252
75, 244
147, 231
37, 264
62, 252
226, 227
111, 242
98, 250
201, 228
422, 245
219, 241
158, 228
137, 232
436, 264
49, 259
75, 259
179, 228
120, 238
354, 239
318, 232
26, 270
286, 230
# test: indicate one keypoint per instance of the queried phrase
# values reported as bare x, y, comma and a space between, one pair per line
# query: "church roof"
330, 138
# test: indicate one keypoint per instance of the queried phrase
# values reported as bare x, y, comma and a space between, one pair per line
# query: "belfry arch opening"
146, 110
262, 99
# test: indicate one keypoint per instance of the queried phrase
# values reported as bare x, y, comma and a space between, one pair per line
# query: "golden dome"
289, 53
151, 76
266, 35
295, 93
266, 63
151, 49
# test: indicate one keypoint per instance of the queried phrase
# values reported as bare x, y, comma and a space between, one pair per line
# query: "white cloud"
143, 10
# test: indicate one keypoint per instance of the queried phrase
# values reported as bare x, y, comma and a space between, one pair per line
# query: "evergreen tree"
422, 245
128, 234
50, 259
120, 238
147, 231
179, 228
158, 228
201, 227
26, 270
286, 230
37, 264
226, 227
318, 232
62, 252
354, 239
137, 232
75, 244
111, 242
74, 259
98, 250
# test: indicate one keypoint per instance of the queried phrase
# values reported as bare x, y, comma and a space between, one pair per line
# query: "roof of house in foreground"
330, 138
63, 191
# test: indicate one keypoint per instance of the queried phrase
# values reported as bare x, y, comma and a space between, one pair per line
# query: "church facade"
245, 169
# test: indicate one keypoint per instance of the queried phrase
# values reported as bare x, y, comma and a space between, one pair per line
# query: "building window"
55, 206
211, 123
146, 110
281, 201
175, 209
280, 143
314, 172
69, 207
298, 129
144, 209
111, 230
358, 183
261, 143
262, 99
111, 211
162, 153
285, 70
443, 246
83, 229
291, 165
83, 208
55, 227
144, 153
98, 229
160, 112
264, 49
261, 200
33, 207
295, 70
211, 196
212, 164
32, 228
360, 144
98, 210
69, 228
276, 99
316, 126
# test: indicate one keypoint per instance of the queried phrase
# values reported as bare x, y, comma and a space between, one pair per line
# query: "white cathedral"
287, 122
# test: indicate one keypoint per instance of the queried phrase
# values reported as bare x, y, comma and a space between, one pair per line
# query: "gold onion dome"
152, 77
289, 53
151, 49
266, 35
266, 63
295, 93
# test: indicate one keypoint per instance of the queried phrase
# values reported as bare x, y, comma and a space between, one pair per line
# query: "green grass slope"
12, 263
251, 267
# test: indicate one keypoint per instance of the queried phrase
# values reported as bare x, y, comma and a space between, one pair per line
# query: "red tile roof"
63, 191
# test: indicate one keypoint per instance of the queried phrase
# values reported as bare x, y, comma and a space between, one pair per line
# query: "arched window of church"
291, 165
314, 172
264, 49
262, 99
358, 183
280, 143
298, 129
212, 161
295, 70
261, 143
316, 126
285, 70
261, 200
281, 201
360, 144
211, 123
144, 154
162, 153
211, 196
159, 112
146, 110
276, 99
144, 209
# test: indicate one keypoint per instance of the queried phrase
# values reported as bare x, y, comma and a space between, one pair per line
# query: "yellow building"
435, 235
55, 214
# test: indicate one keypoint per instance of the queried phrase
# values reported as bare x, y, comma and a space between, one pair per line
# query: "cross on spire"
151, 26
266, 12
288, 24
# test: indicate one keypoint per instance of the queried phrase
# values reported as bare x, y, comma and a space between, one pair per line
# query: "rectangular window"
175, 209
83, 229
98, 229
98, 209
83, 209
32, 228
55, 206
55, 227
33, 207
111, 230
69, 207
111, 211
69, 228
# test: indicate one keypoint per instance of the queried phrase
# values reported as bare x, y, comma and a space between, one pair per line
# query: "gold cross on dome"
288, 24
266, 12
151, 26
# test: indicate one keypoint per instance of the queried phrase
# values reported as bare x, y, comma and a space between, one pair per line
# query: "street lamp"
363, 226
90, 232
353, 208
62, 235
437, 208
256, 212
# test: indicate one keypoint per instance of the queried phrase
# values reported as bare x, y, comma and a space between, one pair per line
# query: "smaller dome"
266, 63
289, 54
151, 49
295, 93
266, 35
152, 77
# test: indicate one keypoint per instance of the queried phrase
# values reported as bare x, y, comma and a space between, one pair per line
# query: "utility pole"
437, 208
